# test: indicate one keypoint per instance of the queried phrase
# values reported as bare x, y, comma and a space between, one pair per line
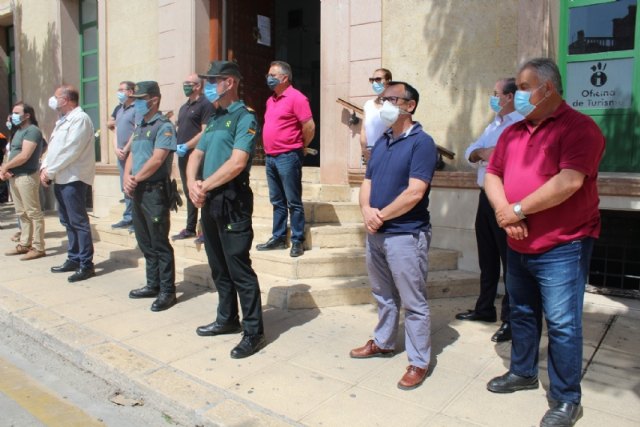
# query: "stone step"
303, 292
309, 174
310, 191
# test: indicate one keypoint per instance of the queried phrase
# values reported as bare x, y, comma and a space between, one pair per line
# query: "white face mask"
389, 113
53, 103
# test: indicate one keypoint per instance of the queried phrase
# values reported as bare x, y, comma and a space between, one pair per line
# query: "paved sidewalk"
304, 376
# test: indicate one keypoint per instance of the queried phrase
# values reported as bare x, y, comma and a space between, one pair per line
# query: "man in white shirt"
70, 165
491, 239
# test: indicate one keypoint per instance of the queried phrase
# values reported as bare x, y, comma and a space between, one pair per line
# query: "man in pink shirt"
541, 181
288, 131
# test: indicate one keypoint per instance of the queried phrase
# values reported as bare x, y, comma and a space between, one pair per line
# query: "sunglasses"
376, 79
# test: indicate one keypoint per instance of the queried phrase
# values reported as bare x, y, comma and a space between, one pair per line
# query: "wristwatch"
517, 209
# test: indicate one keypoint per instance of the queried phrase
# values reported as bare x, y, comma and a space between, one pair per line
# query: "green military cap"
222, 68
149, 87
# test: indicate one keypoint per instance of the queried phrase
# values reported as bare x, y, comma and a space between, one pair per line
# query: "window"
89, 97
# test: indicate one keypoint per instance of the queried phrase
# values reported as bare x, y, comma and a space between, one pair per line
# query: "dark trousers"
227, 243
192, 211
151, 222
492, 252
72, 210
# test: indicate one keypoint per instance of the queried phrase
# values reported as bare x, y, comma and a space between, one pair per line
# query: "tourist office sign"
602, 84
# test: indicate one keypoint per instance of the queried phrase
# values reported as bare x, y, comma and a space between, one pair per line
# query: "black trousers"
227, 242
192, 211
492, 252
151, 222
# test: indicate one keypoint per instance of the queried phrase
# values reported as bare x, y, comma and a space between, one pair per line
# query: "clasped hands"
373, 219
197, 193
515, 227
4, 173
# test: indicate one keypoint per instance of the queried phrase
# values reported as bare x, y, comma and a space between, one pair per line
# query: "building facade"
451, 51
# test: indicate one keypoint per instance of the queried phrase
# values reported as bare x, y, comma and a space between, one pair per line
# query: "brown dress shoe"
32, 254
370, 349
412, 378
19, 250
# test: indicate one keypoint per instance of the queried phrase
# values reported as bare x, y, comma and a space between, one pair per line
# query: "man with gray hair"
288, 130
541, 182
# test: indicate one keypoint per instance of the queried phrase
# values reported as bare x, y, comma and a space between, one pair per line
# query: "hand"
182, 149
372, 219
44, 178
129, 183
505, 216
121, 154
518, 231
197, 194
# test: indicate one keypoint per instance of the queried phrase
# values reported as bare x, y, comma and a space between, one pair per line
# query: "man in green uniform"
225, 149
146, 181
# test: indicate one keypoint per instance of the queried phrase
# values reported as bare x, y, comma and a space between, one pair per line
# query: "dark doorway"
293, 36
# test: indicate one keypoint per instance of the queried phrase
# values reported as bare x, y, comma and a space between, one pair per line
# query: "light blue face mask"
378, 88
494, 102
122, 97
16, 119
211, 91
521, 101
140, 107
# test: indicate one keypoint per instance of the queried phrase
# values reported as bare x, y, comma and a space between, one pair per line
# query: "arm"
28, 148
405, 200
494, 188
128, 182
371, 216
363, 140
308, 132
196, 194
480, 154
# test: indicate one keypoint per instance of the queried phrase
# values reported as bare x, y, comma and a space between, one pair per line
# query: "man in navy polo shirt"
394, 200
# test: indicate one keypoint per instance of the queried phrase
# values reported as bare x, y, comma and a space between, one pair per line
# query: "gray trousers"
398, 267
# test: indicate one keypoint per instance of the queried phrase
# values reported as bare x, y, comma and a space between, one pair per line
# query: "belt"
150, 186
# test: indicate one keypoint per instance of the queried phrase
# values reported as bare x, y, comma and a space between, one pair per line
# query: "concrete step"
309, 174
302, 292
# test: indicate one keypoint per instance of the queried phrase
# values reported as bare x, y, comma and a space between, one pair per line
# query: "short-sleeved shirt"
283, 120
126, 120
527, 157
33, 134
191, 117
144, 143
392, 163
232, 129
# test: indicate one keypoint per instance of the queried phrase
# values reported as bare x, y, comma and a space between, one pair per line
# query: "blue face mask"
211, 91
272, 82
122, 97
521, 101
378, 88
141, 107
16, 119
494, 102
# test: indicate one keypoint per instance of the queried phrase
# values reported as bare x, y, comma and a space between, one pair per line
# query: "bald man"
192, 119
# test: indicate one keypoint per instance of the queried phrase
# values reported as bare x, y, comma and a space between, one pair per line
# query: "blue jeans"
128, 208
284, 176
72, 209
552, 283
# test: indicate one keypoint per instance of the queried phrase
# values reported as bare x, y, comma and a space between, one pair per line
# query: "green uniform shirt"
33, 134
156, 133
234, 129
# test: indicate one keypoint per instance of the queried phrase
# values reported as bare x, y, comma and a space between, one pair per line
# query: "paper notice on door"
264, 30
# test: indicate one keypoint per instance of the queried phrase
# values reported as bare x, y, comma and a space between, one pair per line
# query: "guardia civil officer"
225, 149
146, 181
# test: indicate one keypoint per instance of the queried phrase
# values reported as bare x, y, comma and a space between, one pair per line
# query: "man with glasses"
124, 121
146, 180
192, 120
224, 153
394, 201
70, 164
542, 184
288, 130
491, 239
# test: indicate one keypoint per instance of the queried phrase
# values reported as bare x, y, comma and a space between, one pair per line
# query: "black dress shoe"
66, 267
83, 273
272, 244
216, 328
561, 415
296, 249
145, 292
249, 345
508, 383
472, 315
503, 333
164, 301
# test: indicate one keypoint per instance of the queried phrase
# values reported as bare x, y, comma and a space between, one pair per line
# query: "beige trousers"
25, 191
